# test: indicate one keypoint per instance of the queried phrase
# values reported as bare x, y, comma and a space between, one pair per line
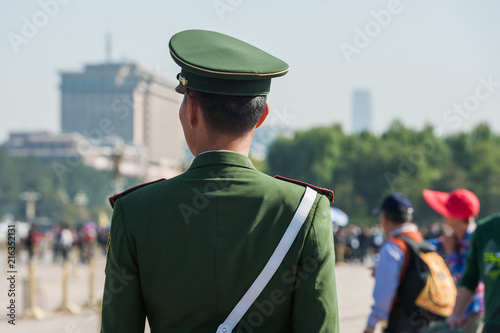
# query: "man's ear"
263, 117
381, 217
193, 110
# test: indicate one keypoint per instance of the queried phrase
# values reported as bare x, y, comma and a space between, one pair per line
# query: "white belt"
272, 265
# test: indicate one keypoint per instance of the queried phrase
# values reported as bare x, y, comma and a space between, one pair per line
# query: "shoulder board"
115, 197
324, 191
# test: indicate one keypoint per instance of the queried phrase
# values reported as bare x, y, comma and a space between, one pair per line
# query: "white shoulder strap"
272, 265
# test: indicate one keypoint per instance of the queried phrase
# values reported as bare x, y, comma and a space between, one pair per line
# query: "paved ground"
354, 285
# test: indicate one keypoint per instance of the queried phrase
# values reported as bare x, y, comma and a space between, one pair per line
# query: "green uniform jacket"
483, 263
183, 252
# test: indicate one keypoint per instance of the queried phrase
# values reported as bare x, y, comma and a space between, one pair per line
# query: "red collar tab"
324, 191
115, 197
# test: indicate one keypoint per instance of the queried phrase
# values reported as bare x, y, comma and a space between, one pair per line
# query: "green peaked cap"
215, 63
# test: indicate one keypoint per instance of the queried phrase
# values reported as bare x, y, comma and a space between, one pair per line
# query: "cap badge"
182, 80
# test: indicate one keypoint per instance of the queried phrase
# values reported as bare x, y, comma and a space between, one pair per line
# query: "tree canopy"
363, 168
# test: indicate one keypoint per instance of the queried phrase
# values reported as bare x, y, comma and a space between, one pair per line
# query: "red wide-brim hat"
461, 203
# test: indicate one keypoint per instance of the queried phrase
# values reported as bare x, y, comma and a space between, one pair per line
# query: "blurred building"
42, 145
73, 148
128, 101
361, 111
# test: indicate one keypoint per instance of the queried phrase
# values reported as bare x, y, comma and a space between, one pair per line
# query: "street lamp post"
117, 158
31, 197
81, 200
32, 310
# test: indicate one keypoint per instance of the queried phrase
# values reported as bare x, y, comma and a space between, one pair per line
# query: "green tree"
362, 168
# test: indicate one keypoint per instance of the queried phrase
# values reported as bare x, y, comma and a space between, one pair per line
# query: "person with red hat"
459, 209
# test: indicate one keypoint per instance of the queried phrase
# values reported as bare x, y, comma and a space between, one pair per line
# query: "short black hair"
232, 115
397, 217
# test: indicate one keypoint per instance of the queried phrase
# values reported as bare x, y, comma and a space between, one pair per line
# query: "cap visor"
375, 211
180, 89
437, 201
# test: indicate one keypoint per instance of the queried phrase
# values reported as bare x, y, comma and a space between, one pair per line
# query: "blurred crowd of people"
59, 240
355, 244
432, 279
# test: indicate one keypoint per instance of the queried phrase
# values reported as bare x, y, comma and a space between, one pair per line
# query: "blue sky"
431, 56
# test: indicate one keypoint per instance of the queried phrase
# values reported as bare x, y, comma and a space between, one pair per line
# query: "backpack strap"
408, 245
406, 252
396, 307
415, 246
272, 265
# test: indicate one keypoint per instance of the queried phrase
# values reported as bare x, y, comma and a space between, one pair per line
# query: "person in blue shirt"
395, 216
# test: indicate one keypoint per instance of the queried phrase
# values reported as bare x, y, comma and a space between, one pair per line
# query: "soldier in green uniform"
184, 251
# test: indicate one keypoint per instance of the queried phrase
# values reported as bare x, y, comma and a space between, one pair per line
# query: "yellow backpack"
427, 287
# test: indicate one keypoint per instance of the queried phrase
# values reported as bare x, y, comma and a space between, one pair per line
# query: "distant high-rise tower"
108, 48
361, 111
124, 100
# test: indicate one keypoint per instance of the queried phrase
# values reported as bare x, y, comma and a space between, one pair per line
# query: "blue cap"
395, 203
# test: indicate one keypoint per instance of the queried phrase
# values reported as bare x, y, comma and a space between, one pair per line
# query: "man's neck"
239, 145
400, 227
